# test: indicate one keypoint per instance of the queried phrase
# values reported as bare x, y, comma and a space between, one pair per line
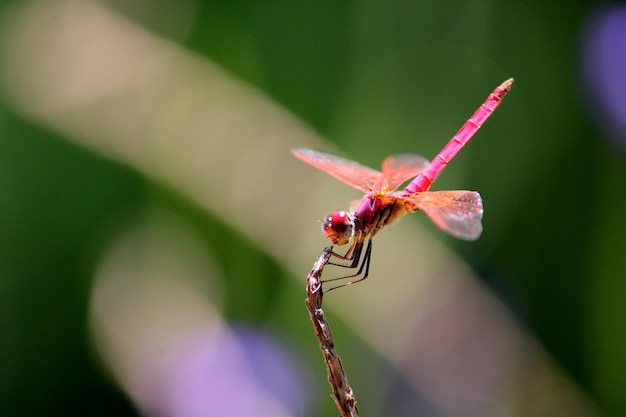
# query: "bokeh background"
155, 231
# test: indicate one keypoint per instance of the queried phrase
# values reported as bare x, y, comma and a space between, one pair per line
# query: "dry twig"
342, 392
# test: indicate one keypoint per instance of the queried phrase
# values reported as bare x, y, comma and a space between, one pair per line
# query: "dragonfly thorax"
339, 227
378, 210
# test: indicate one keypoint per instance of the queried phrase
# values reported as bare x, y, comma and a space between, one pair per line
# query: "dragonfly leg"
353, 254
364, 265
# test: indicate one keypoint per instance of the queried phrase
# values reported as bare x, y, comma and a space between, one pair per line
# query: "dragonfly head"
339, 227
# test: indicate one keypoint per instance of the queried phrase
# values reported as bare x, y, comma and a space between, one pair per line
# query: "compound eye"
338, 227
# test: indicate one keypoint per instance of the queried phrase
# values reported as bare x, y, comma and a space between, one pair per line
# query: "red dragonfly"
458, 213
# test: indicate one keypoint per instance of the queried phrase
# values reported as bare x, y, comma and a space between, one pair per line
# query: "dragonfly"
457, 212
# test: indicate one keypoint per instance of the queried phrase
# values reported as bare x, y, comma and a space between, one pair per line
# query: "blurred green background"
374, 78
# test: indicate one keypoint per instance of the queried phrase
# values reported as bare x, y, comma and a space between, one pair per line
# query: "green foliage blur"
553, 186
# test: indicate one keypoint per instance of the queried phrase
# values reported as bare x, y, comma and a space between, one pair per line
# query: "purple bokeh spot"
604, 64
275, 367
234, 371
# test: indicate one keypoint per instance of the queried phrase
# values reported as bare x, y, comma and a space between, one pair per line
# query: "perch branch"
342, 392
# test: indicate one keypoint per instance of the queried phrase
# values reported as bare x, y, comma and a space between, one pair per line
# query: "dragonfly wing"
399, 168
349, 172
458, 213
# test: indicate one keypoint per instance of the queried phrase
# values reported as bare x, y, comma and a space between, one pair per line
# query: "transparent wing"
458, 213
402, 167
349, 172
